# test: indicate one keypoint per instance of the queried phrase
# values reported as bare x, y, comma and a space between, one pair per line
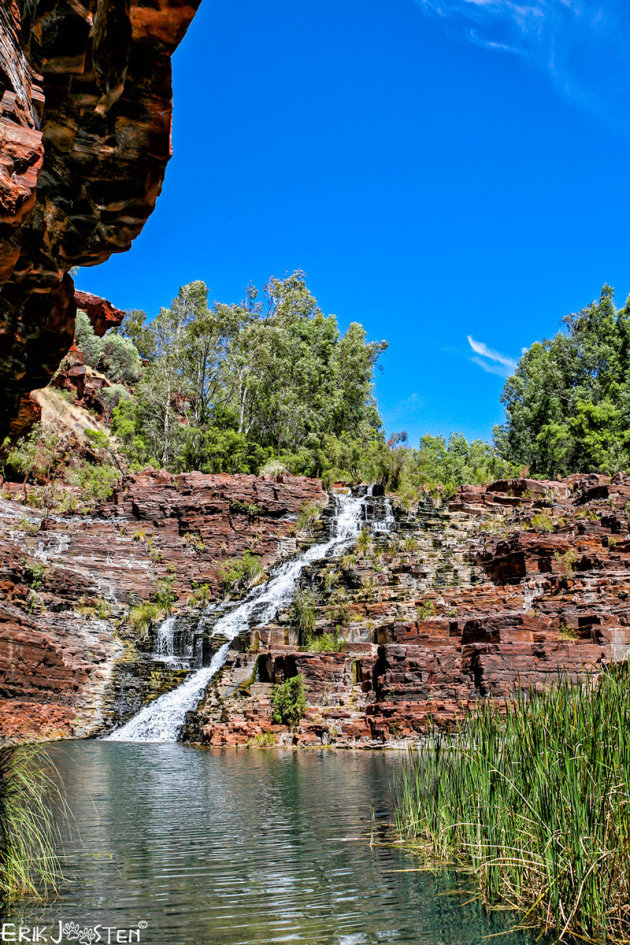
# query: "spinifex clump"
534, 797
28, 863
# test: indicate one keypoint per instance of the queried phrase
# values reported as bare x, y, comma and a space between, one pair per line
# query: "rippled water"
243, 848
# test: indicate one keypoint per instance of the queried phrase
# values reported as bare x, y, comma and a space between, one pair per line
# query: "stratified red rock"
102, 314
461, 603
85, 136
516, 584
66, 581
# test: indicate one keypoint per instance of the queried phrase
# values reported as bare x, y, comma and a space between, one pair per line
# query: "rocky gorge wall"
69, 581
85, 136
503, 586
459, 601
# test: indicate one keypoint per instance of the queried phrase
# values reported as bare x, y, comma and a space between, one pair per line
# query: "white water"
165, 642
387, 523
162, 720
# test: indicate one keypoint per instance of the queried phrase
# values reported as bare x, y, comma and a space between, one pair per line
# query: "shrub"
200, 595
325, 643
542, 522
195, 541
87, 340
111, 397
237, 574
273, 468
120, 360
97, 437
364, 539
263, 740
96, 482
249, 508
28, 527
36, 574
289, 701
304, 612
566, 560
425, 610
165, 595
52, 497
339, 613
142, 617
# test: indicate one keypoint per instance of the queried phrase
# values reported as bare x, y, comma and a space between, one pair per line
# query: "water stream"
162, 720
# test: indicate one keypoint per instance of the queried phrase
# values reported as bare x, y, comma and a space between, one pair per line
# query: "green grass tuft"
28, 863
534, 797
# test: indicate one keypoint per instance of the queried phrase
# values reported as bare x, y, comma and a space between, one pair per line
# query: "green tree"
568, 403
119, 359
134, 327
230, 386
87, 340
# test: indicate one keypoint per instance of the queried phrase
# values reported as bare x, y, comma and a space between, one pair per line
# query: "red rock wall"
67, 582
85, 136
510, 585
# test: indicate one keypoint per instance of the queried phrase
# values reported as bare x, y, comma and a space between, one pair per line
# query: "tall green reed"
533, 796
29, 866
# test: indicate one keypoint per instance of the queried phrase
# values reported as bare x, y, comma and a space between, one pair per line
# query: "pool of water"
229, 847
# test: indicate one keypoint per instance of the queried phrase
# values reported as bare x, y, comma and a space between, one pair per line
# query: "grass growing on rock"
142, 617
533, 796
238, 574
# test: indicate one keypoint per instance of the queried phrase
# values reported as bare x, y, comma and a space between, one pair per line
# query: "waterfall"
162, 720
165, 642
388, 520
387, 523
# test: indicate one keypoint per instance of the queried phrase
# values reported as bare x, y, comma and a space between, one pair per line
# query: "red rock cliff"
85, 136
67, 581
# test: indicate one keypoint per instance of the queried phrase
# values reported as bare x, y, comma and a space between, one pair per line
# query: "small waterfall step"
163, 719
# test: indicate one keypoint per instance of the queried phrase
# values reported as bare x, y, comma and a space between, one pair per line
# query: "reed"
533, 796
28, 863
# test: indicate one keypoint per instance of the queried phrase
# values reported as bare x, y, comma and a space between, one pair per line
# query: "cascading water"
387, 523
165, 642
162, 720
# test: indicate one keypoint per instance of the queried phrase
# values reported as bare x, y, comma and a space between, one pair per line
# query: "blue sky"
451, 173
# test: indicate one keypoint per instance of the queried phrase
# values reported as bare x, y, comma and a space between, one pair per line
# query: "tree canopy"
568, 403
227, 386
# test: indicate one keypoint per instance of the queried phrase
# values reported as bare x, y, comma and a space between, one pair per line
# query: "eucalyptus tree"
568, 402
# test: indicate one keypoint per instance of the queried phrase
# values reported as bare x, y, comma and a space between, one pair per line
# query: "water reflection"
244, 848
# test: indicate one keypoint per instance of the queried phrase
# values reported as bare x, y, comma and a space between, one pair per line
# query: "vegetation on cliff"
229, 387
267, 385
533, 796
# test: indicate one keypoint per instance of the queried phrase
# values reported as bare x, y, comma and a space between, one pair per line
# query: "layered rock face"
85, 136
502, 586
505, 586
68, 582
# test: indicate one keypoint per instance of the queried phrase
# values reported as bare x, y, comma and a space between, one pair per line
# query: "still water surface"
244, 848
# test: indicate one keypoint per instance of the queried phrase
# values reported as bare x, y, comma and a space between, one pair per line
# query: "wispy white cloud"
490, 360
580, 43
